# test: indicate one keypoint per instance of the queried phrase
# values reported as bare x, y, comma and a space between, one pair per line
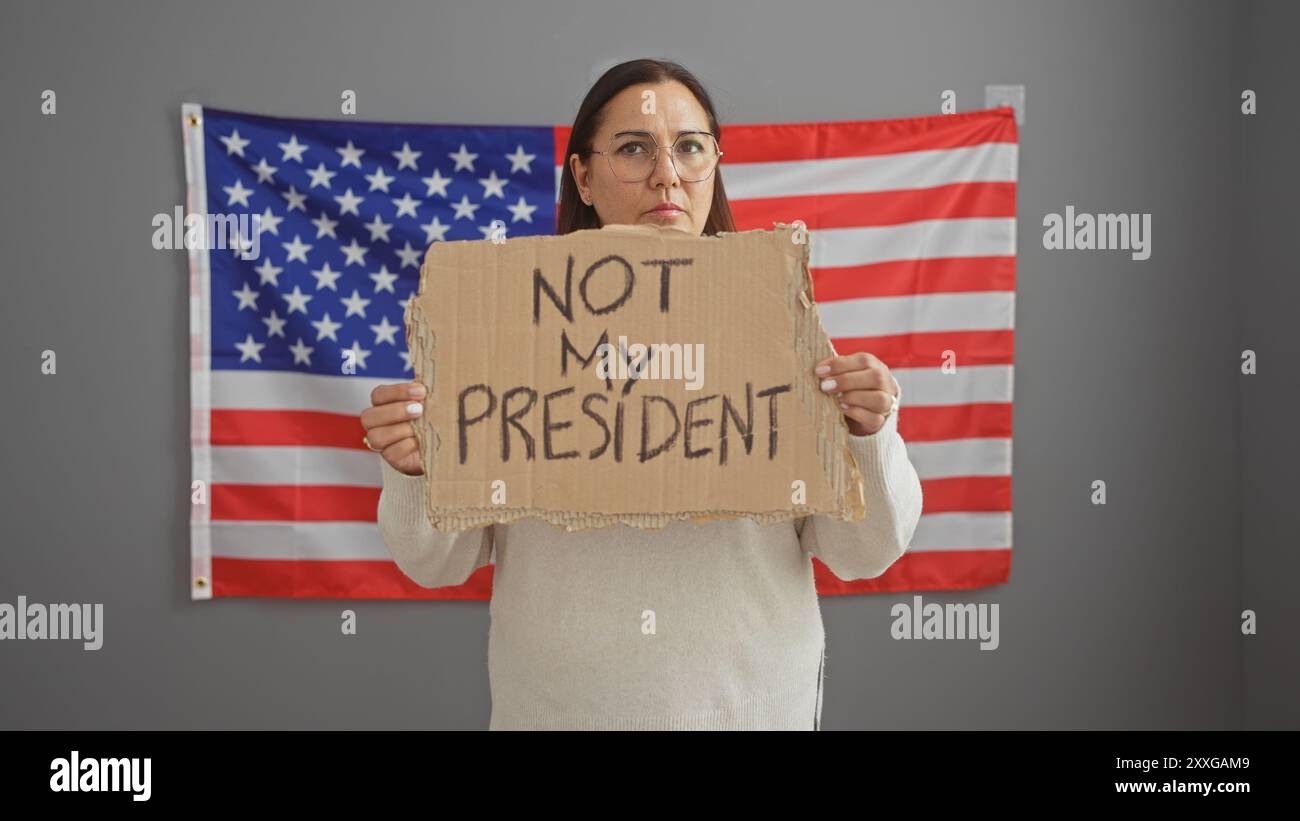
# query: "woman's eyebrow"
679, 133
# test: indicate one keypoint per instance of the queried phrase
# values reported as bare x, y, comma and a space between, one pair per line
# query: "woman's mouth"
667, 209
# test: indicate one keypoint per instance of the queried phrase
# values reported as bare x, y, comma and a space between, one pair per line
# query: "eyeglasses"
632, 155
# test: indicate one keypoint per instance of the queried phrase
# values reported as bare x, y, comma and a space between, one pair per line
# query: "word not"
239, 232
75, 774
658, 360
55, 621
1102, 232
960, 622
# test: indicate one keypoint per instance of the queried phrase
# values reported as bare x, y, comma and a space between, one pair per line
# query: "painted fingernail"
828, 384
822, 370
415, 408
844, 406
417, 391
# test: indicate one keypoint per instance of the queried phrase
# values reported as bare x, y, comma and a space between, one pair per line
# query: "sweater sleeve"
428, 556
866, 548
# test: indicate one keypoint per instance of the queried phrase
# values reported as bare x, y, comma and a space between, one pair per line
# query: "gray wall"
1117, 616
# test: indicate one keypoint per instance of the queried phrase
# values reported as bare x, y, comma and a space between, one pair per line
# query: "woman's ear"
579, 171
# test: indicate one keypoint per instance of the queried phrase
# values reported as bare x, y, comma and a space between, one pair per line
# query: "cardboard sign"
631, 375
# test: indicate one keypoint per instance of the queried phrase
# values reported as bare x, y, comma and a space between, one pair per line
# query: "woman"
695, 626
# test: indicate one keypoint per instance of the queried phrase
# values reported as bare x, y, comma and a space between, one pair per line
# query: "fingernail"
844, 406
415, 408
822, 370
417, 391
828, 384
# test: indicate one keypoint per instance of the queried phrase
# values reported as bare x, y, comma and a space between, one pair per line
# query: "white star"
268, 273
351, 155
349, 202
405, 302
297, 300
264, 172
235, 143
379, 180
406, 205
355, 253
355, 305
435, 231
274, 324
463, 159
521, 211
410, 256
320, 175
270, 222
359, 354
406, 157
521, 161
464, 210
247, 297
493, 186
249, 349
406, 358
293, 148
486, 230
325, 226
301, 353
297, 249
295, 199
378, 227
384, 280
325, 328
384, 331
437, 183
326, 277
238, 193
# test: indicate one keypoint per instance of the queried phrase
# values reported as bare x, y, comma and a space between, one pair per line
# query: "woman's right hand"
388, 424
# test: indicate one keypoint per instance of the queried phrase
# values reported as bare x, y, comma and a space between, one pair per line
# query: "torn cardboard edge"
808, 339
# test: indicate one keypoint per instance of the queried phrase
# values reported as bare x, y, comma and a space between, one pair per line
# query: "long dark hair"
574, 214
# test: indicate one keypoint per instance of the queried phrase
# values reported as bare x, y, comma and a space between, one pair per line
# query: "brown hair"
574, 214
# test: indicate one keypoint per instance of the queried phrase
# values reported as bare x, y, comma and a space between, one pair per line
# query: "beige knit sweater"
695, 626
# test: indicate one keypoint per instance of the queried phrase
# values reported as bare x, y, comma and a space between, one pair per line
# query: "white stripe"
342, 541
298, 540
967, 383
962, 531
953, 458
254, 465
987, 162
923, 313
282, 390
922, 239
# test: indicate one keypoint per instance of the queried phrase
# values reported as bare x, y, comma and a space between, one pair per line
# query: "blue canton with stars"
346, 212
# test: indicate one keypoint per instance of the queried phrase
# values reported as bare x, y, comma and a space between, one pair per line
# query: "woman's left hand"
864, 387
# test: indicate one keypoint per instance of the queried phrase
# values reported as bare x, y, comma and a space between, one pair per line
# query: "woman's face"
675, 110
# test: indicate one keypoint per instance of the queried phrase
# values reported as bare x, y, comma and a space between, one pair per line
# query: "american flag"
912, 230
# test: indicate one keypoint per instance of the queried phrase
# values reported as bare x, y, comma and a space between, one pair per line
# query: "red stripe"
861, 209
561, 143
927, 350
787, 142
938, 423
912, 277
296, 503
923, 570
335, 579
967, 494
287, 427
